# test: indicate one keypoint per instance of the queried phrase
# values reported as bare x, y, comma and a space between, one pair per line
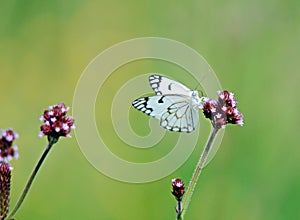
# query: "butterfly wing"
180, 117
174, 111
165, 86
155, 106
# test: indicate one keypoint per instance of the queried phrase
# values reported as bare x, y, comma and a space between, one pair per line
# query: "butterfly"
174, 105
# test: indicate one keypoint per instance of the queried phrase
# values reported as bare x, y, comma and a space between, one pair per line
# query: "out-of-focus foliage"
253, 47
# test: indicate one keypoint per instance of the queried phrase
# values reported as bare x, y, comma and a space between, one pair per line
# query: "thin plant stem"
179, 210
29, 183
198, 170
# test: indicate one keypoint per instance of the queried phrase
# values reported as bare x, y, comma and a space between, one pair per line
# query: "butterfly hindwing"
180, 117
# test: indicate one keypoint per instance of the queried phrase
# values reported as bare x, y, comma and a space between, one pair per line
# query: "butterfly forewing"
173, 105
155, 106
165, 86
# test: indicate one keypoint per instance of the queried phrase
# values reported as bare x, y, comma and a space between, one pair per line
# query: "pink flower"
7, 150
178, 188
56, 123
223, 111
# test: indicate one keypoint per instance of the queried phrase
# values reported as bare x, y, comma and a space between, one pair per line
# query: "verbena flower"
5, 176
7, 150
178, 188
223, 111
56, 123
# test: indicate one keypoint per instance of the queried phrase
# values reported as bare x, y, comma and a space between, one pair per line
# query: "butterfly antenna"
202, 93
198, 86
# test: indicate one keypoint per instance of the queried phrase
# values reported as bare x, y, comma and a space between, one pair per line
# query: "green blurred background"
253, 47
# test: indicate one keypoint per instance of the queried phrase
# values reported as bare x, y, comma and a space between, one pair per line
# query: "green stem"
198, 170
29, 183
178, 217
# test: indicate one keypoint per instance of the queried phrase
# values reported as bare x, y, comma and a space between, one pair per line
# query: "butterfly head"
195, 98
195, 94
198, 102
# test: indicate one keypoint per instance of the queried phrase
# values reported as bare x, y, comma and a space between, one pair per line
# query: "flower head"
56, 123
7, 150
178, 188
222, 111
5, 177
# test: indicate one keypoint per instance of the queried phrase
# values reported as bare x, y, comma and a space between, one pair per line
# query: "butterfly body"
175, 105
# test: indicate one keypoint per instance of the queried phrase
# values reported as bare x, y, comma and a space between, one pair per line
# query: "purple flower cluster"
7, 150
56, 123
223, 111
178, 188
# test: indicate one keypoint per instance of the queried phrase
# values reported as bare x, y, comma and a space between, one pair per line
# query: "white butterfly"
174, 105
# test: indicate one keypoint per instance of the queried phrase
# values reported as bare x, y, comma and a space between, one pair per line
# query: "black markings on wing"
154, 105
142, 105
180, 117
174, 112
161, 100
155, 81
165, 86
